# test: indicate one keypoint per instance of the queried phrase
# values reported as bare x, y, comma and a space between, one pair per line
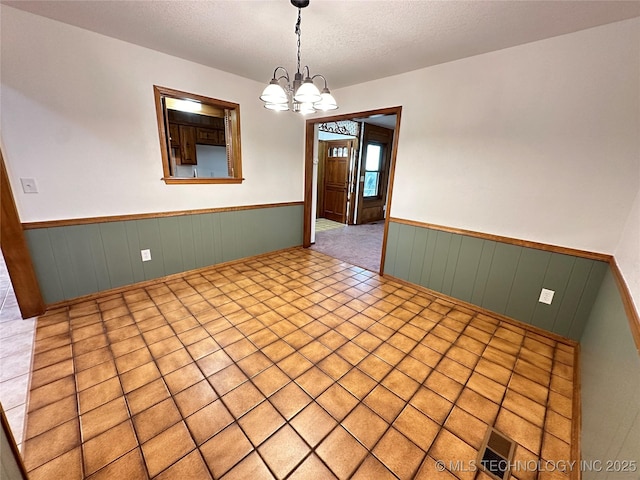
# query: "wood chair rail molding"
603, 257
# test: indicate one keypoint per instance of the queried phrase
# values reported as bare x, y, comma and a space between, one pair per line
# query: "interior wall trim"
392, 177
155, 281
627, 301
142, 216
16, 252
604, 257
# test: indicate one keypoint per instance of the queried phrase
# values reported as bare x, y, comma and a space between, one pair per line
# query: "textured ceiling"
349, 41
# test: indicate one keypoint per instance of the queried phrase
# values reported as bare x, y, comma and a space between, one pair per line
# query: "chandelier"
301, 95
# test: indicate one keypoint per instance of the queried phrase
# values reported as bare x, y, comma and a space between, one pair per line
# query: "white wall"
78, 115
537, 142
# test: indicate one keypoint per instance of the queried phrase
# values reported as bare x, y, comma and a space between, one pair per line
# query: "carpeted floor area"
359, 245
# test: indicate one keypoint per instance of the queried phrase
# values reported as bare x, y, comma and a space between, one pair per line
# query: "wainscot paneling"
610, 390
75, 260
499, 276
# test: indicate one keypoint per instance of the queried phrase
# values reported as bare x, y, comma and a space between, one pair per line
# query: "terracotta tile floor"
293, 365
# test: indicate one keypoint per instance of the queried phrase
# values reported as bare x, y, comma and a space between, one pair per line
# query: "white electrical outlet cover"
546, 296
146, 255
29, 185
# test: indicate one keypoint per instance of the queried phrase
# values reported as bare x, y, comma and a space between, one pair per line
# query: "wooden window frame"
232, 127
381, 170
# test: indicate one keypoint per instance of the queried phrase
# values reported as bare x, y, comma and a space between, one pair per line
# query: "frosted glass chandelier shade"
307, 93
327, 102
274, 93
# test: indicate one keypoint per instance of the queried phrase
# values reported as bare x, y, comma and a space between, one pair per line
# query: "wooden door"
336, 179
374, 169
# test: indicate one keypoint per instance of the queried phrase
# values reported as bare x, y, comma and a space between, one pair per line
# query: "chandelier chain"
298, 34
299, 93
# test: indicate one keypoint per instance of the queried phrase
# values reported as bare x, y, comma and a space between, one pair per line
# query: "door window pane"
374, 152
371, 184
372, 167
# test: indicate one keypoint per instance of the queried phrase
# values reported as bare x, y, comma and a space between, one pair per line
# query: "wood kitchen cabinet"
188, 145
209, 136
186, 130
174, 135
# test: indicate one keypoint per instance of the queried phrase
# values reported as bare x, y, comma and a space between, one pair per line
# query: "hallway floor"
16, 346
292, 365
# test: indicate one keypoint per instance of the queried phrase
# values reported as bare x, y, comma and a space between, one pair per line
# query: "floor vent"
496, 455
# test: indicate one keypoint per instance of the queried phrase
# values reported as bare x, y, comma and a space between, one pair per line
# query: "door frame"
308, 169
16, 253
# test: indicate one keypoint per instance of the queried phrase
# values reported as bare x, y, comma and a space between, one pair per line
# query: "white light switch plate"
29, 185
546, 296
146, 255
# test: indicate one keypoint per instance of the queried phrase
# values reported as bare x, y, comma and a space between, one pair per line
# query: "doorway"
349, 166
336, 159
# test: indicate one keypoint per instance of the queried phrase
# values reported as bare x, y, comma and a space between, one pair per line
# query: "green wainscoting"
72, 261
500, 277
610, 390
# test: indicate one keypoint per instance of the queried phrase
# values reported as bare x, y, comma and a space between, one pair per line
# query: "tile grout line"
277, 268
220, 398
312, 449
313, 400
124, 392
408, 402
